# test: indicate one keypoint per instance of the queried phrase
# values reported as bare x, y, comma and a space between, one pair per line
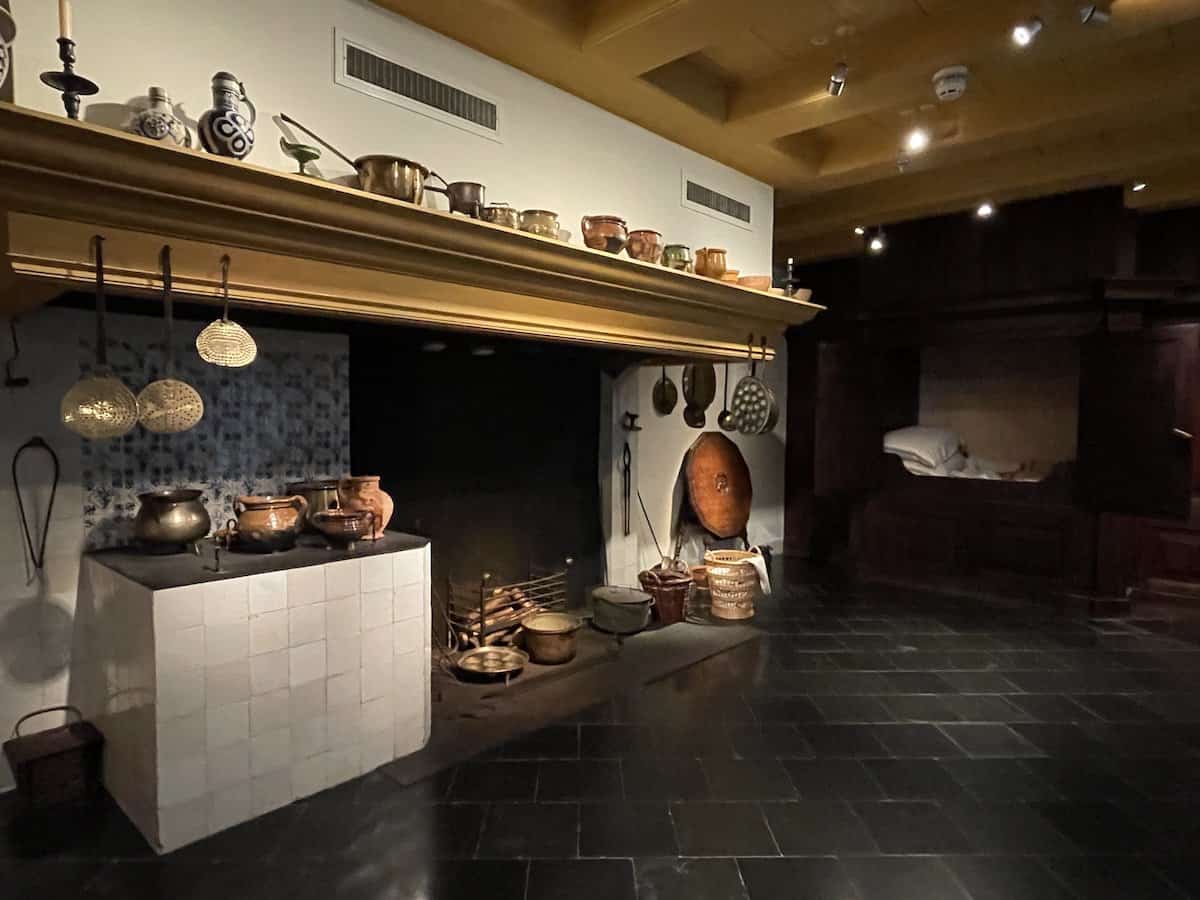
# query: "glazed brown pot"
267, 524
604, 233
645, 245
362, 492
711, 262
677, 256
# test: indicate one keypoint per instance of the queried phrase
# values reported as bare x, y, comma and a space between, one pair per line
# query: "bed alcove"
1112, 516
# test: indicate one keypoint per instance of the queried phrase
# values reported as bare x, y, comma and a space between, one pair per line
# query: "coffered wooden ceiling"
744, 81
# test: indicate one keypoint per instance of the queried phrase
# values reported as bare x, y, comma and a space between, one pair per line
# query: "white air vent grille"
416, 88
718, 202
389, 76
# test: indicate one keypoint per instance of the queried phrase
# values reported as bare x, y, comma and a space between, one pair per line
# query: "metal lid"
323, 484
622, 596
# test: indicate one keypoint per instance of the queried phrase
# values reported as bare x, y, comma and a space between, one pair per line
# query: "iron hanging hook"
164, 257
101, 337
225, 263
11, 380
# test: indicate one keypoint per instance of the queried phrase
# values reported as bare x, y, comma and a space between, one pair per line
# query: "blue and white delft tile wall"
285, 417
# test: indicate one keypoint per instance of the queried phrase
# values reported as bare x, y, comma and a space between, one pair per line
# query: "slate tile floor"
875, 745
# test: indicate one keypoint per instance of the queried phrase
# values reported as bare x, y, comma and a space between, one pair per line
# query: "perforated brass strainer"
100, 405
168, 405
222, 342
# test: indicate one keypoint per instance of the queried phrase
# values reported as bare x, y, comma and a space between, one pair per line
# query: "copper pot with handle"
266, 524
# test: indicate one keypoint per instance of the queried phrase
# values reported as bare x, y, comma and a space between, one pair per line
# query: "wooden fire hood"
303, 245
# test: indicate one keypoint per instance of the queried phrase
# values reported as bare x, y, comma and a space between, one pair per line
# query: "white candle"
64, 18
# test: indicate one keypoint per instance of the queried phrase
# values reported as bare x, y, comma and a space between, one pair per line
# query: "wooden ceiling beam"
898, 61
1066, 100
633, 37
1096, 159
889, 65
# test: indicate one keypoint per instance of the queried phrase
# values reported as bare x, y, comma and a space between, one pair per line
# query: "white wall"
658, 451
559, 152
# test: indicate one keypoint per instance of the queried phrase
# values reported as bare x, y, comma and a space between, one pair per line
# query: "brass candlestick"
67, 82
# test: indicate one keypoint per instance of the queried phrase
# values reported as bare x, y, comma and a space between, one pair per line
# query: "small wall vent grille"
367, 71
717, 202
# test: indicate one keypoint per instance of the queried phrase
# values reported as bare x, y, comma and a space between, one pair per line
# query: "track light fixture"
1094, 14
916, 141
1024, 33
837, 80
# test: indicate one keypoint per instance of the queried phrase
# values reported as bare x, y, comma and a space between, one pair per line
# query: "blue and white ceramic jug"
223, 129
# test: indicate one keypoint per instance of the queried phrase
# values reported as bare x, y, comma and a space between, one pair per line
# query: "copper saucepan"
379, 173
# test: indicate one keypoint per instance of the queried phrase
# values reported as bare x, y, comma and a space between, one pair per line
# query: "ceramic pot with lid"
550, 637
320, 495
168, 520
604, 233
540, 222
267, 524
362, 492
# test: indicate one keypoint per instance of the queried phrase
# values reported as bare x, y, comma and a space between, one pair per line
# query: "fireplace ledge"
304, 245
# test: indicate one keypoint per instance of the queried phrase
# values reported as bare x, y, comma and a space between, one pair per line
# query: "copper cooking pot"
267, 524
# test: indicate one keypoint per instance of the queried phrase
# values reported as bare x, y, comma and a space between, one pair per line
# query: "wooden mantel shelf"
301, 244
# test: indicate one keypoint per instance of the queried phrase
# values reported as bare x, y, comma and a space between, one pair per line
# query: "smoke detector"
950, 83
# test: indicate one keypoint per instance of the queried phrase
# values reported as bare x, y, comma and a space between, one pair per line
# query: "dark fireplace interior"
493, 457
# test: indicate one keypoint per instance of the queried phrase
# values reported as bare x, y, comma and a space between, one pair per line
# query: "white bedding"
987, 470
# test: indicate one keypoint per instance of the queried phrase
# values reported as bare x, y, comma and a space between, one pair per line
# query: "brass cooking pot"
394, 176
168, 520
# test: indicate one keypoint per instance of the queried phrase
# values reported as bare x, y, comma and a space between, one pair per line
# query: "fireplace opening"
489, 447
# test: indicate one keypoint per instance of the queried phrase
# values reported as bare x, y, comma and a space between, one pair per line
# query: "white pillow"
954, 465
922, 444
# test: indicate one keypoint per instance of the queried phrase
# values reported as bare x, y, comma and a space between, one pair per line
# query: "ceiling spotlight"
859, 230
877, 243
433, 346
1024, 33
1094, 14
837, 81
483, 350
1138, 186
985, 210
917, 140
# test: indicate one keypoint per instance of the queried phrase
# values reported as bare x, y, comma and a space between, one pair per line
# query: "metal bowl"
493, 662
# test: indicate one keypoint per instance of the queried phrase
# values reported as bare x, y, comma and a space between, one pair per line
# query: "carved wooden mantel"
304, 245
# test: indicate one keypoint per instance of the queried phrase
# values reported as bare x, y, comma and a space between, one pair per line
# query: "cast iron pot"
621, 610
550, 637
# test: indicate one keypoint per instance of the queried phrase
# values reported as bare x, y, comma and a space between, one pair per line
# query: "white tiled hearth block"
229, 699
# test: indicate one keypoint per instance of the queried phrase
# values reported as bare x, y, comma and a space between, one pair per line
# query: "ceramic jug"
711, 262
223, 129
362, 492
8, 34
159, 122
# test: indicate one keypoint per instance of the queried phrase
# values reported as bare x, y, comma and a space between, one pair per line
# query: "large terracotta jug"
363, 492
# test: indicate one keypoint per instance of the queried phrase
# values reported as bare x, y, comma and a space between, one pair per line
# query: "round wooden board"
718, 482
